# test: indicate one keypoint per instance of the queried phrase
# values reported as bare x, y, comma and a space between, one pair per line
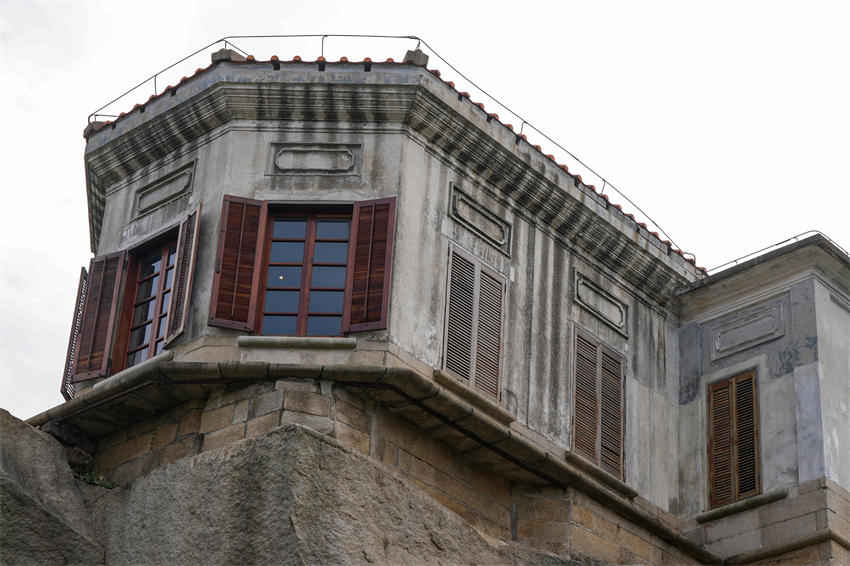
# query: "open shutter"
233, 303
720, 457
611, 416
68, 388
586, 415
460, 316
93, 344
369, 265
489, 336
187, 249
746, 435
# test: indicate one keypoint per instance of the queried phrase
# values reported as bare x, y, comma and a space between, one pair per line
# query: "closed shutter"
586, 399
720, 455
473, 336
67, 389
97, 323
233, 303
369, 265
611, 417
187, 249
746, 435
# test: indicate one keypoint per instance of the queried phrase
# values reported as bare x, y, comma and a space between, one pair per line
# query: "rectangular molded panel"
315, 159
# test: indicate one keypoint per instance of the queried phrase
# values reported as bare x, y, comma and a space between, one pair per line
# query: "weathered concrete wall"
833, 323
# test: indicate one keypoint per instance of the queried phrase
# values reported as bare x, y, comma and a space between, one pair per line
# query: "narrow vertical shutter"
97, 323
720, 443
67, 389
233, 303
586, 413
746, 435
184, 269
489, 336
460, 317
369, 265
611, 416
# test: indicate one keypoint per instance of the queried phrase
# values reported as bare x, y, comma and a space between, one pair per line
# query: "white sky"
727, 122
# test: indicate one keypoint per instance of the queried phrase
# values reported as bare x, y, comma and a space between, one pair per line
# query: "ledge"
297, 342
600, 475
789, 545
475, 399
738, 506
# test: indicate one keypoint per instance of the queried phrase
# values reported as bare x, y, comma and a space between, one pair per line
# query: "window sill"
473, 398
297, 342
600, 475
743, 505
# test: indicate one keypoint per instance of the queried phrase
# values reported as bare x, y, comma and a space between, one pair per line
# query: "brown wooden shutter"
67, 389
720, 457
586, 415
489, 336
611, 415
233, 302
184, 269
746, 436
369, 265
97, 324
460, 318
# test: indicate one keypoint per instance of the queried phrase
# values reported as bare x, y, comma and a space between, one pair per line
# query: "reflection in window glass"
283, 325
332, 229
326, 301
289, 228
324, 325
282, 276
331, 252
282, 301
287, 252
328, 277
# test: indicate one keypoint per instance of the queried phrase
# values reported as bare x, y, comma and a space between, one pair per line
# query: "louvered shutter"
187, 249
460, 318
746, 436
611, 415
720, 457
369, 265
586, 413
489, 336
67, 389
93, 344
233, 302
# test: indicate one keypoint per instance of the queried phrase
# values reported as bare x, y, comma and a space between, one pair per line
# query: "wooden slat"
586, 408
460, 316
68, 389
233, 303
746, 435
489, 334
98, 319
181, 289
370, 265
611, 416
720, 457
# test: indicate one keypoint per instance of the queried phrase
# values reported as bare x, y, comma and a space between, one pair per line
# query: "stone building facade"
359, 249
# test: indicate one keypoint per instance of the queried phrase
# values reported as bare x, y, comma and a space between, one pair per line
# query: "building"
358, 248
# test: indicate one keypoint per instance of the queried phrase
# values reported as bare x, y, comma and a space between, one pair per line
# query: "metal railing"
153, 81
796, 238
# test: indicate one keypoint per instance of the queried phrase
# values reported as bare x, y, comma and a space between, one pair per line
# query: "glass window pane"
293, 228
150, 265
332, 228
143, 312
284, 276
161, 331
326, 301
137, 357
147, 288
140, 336
324, 325
159, 346
331, 252
166, 301
287, 252
279, 324
282, 301
169, 276
328, 277
172, 254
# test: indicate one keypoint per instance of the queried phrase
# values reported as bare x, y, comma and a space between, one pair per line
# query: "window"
128, 313
473, 335
314, 271
733, 440
598, 422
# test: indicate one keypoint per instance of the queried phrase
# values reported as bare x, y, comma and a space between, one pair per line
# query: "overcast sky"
727, 122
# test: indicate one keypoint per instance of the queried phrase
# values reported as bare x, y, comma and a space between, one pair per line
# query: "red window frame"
312, 217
